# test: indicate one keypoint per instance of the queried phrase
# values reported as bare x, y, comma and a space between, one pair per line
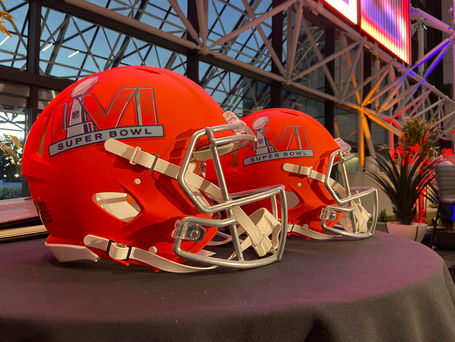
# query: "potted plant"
403, 178
419, 136
381, 224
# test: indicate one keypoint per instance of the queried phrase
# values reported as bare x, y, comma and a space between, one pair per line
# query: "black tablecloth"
380, 289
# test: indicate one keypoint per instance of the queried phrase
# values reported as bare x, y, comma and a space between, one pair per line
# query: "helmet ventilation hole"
292, 199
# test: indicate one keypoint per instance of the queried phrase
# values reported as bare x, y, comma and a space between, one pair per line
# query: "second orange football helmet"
294, 149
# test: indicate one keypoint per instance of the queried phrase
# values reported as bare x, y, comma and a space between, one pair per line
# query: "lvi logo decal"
293, 142
84, 121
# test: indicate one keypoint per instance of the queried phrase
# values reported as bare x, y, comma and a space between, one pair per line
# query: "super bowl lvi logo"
291, 142
84, 120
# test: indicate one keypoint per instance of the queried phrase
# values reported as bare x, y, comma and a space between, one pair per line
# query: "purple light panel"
388, 22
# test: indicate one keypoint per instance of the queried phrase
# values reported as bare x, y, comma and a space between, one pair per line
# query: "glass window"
234, 92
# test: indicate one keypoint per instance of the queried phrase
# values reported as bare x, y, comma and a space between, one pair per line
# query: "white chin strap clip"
361, 217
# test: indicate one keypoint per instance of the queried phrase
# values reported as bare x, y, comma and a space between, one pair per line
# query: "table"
384, 288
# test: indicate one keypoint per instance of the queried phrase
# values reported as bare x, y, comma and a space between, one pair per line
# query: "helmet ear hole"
118, 204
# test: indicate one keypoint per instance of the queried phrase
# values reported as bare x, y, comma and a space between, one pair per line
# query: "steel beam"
14, 75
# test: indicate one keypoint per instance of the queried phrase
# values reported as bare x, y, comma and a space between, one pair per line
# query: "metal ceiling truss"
14, 121
233, 40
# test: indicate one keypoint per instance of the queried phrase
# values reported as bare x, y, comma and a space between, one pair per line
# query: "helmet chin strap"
258, 226
305, 231
360, 214
121, 252
261, 220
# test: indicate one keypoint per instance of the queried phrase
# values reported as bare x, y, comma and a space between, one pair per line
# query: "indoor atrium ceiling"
242, 52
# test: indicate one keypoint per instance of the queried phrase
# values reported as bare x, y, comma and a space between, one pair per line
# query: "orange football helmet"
294, 149
113, 167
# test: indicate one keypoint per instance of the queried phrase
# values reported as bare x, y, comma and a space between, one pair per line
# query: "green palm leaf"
403, 180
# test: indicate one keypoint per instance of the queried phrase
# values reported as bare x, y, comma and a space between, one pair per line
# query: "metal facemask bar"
354, 218
349, 212
263, 231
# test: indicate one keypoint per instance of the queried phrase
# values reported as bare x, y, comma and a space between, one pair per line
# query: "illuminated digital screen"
348, 8
388, 22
